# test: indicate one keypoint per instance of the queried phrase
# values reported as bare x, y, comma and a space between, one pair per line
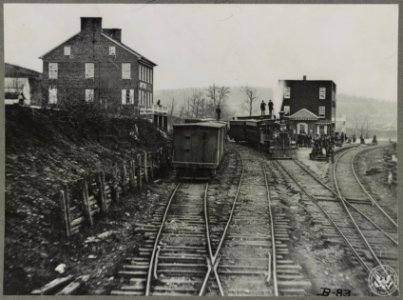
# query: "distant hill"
381, 115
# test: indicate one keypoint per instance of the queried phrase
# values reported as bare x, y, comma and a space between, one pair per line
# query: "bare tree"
172, 107
217, 96
251, 97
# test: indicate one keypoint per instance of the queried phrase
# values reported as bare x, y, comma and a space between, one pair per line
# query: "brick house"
95, 66
310, 105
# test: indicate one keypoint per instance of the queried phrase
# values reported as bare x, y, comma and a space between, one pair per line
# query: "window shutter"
52, 95
322, 93
123, 97
287, 92
126, 71
67, 50
131, 96
112, 50
89, 70
53, 70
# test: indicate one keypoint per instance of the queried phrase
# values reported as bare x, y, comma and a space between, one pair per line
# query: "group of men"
263, 108
326, 142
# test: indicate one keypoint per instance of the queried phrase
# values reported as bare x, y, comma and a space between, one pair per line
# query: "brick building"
310, 105
95, 66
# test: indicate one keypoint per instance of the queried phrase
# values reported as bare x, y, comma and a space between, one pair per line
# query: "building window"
112, 50
89, 95
89, 70
67, 50
321, 110
287, 92
127, 96
52, 95
286, 109
126, 71
322, 93
53, 69
151, 76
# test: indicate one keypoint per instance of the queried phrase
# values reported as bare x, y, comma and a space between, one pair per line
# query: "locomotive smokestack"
304, 77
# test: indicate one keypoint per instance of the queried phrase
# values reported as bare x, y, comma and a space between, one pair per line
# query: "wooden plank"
74, 286
77, 221
139, 179
49, 287
65, 212
87, 203
145, 167
101, 192
151, 166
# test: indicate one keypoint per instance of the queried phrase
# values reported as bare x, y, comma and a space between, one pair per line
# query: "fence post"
139, 179
151, 166
116, 183
65, 209
131, 174
124, 177
145, 167
87, 205
101, 184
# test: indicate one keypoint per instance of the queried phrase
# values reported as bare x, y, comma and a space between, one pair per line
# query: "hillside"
381, 116
45, 149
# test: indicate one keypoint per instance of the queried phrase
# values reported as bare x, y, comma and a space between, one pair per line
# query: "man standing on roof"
218, 112
270, 108
263, 108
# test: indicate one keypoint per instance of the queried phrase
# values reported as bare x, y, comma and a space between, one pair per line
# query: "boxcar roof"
202, 124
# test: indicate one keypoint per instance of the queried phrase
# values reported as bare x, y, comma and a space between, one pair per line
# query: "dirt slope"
44, 149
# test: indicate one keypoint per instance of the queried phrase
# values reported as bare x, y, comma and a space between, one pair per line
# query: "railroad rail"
177, 256
342, 212
255, 258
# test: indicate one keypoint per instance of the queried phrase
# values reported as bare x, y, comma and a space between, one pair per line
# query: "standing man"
270, 108
218, 112
263, 108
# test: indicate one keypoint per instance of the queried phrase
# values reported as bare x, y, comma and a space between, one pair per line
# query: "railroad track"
254, 259
355, 220
216, 239
175, 258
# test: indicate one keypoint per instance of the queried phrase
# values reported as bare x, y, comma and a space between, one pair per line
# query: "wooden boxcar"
198, 149
237, 130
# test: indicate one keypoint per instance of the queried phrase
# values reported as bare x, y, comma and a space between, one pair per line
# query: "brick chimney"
114, 33
93, 25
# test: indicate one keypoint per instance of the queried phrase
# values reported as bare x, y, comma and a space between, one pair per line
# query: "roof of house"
20, 72
138, 55
216, 124
123, 46
304, 115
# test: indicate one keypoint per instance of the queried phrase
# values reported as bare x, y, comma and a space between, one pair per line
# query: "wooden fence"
83, 200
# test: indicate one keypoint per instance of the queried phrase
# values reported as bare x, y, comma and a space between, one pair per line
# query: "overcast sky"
235, 45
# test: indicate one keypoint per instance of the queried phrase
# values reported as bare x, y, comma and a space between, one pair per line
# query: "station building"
95, 66
310, 105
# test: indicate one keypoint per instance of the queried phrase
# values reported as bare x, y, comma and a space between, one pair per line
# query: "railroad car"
198, 149
270, 135
237, 130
